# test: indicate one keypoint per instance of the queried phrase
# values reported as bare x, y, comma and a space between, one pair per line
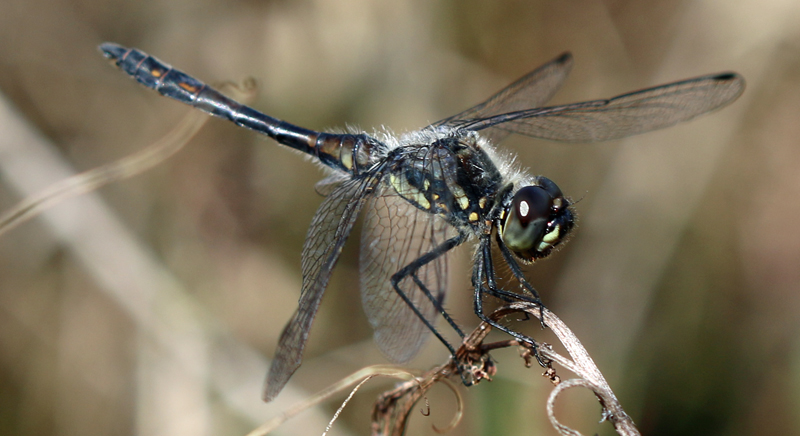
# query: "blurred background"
152, 306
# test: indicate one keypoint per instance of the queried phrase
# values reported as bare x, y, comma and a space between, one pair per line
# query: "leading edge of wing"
621, 116
531, 90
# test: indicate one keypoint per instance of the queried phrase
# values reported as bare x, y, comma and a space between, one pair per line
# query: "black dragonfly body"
426, 192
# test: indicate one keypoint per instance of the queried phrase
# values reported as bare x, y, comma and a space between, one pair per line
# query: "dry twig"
473, 364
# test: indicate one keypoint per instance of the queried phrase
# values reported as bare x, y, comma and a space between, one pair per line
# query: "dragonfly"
426, 192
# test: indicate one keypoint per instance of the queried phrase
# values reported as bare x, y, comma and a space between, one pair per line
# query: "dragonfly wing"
621, 116
395, 234
327, 234
531, 90
327, 185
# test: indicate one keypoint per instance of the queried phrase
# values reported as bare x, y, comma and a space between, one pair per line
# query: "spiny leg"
517, 271
411, 269
484, 270
492, 289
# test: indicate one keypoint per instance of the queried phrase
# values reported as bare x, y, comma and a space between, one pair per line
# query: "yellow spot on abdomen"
347, 159
188, 87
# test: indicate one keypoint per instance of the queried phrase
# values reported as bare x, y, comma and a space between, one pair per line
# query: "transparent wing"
531, 90
327, 185
327, 234
395, 234
621, 116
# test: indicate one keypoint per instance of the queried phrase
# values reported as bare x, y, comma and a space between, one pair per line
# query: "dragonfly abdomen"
347, 152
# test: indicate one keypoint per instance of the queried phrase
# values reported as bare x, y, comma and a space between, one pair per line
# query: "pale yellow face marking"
549, 239
473, 217
435, 196
552, 236
482, 202
426, 184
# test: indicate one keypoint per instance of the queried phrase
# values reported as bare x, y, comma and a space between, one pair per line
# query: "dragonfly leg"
411, 269
517, 271
487, 268
484, 271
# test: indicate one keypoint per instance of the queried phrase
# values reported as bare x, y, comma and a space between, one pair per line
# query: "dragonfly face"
429, 191
535, 220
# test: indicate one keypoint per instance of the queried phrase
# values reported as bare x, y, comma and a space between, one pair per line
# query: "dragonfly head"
535, 220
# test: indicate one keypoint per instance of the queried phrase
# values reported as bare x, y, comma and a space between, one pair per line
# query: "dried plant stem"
344, 403
473, 364
581, 364
358, 377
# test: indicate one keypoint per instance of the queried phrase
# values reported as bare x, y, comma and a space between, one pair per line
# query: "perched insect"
429, 191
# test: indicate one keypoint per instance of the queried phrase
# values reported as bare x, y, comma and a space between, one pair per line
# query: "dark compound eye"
526, 221
537, 219
549, 186
531, 204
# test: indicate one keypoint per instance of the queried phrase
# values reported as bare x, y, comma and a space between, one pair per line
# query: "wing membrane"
395, 234
327, 234
621, 116
531, 90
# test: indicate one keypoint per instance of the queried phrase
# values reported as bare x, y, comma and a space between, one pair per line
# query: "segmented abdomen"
347, 152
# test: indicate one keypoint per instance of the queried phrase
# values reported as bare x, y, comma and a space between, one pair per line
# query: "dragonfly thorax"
535, 219
445, 173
